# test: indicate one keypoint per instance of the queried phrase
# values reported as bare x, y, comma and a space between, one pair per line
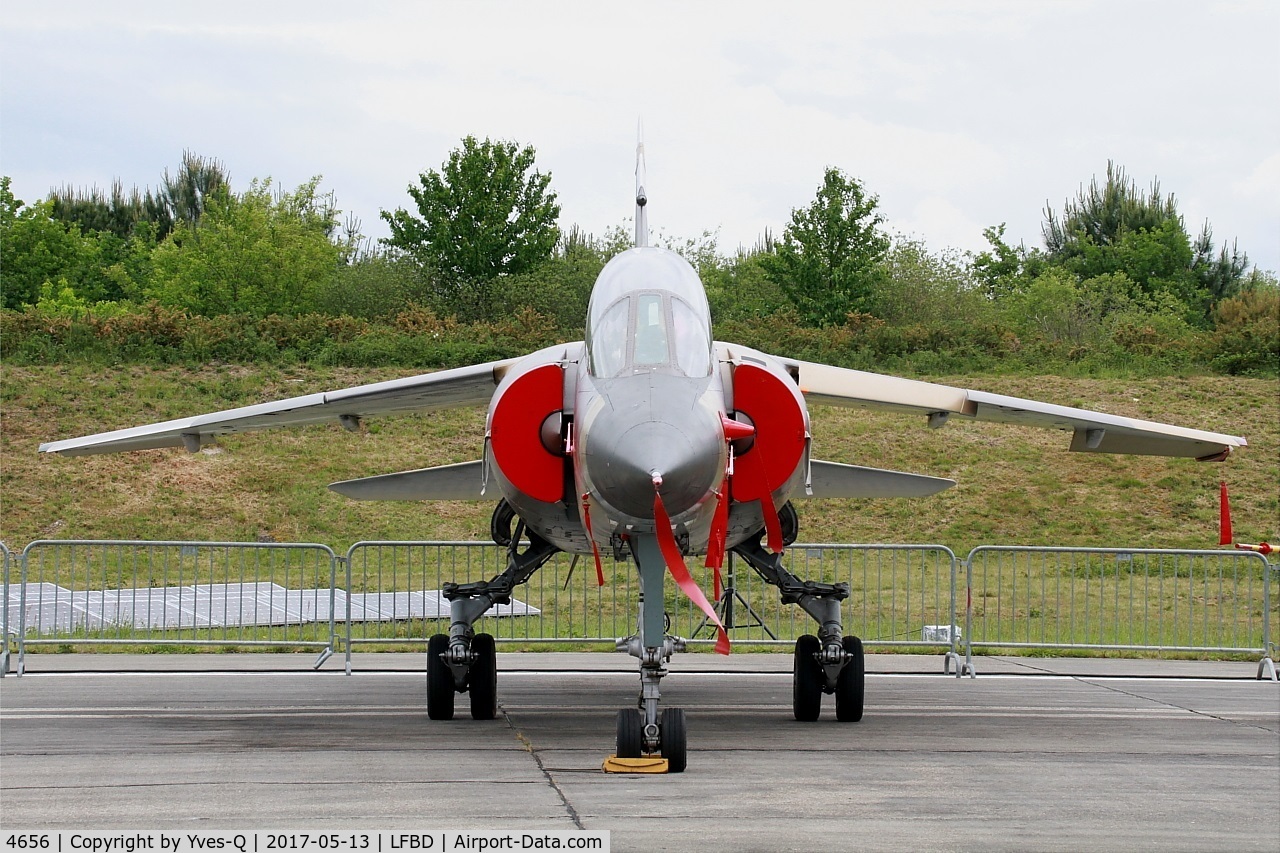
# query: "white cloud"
958, 115
1263, 182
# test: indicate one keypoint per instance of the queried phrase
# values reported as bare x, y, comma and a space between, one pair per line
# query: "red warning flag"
751, 468
595, 550
680, 572
1224, 516
719, 536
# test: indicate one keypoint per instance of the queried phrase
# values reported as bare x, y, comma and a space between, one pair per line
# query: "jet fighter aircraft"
652, 441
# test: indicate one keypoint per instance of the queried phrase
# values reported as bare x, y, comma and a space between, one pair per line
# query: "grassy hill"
1016, 485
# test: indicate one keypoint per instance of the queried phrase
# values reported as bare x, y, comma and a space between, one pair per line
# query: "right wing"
462, 386
1092, 432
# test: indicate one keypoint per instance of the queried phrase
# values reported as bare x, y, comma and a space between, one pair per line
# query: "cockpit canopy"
648, 311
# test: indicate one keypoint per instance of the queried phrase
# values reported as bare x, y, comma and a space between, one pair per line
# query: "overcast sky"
957, 115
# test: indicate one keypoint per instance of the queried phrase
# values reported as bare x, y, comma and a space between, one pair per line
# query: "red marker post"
1224, 515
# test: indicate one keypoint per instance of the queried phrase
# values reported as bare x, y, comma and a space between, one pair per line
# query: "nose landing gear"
646, 730
650, 729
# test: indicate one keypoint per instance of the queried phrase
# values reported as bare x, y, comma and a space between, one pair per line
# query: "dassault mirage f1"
652, 441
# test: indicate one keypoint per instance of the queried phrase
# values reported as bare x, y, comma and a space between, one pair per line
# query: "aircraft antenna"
642, 219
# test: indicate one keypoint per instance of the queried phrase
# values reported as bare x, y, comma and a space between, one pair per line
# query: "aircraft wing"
1092, 432
461, 482
835, 480
463, 386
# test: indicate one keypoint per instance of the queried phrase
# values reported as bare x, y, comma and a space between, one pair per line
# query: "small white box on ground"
940, 633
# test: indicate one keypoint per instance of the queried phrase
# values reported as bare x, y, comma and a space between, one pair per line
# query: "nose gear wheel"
630, 733
675, 740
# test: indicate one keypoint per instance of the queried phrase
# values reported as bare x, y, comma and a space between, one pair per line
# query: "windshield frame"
634, 278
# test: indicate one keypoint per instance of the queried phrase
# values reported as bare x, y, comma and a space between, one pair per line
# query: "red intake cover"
515, 433
771, 403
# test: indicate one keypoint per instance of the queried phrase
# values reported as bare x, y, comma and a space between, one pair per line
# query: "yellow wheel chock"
648, 764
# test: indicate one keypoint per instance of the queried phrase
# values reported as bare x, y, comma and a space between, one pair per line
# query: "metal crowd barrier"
399, 584
4, 616
1113, 599
901, 595
230, 594
130, 593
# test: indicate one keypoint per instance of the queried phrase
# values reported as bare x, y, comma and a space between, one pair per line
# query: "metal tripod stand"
724, 606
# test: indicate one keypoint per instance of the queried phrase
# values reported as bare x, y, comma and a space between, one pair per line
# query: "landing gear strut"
646, 730
463, 661
826, 663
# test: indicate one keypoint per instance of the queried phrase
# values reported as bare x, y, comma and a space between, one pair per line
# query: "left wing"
1093, 432
462, 386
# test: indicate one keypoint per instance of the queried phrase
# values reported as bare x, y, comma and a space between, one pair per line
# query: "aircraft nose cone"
686, 459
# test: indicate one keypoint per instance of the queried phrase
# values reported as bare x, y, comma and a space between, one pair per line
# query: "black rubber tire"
675, 739
851, 683
482, 679
630, 733
806, 680
440, 687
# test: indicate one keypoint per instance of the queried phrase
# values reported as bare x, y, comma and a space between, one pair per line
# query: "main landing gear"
827, 663
463, 661
478, 676
815, 670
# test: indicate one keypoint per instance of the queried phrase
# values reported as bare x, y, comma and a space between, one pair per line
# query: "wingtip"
1222, 455
342, 487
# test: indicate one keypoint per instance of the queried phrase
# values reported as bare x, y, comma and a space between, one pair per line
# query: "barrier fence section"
109, 592
900, 595
1147, 600
99, 592
4, 616
394, 593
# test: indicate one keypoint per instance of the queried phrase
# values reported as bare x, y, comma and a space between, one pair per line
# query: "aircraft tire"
482, 680
630, 733
675, 740
851, 683
440, 687
806, 680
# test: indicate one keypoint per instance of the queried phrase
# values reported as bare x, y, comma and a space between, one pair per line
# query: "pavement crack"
546, 772
1173, 705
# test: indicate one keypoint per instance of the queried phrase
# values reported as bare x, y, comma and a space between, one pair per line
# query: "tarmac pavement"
1033, 754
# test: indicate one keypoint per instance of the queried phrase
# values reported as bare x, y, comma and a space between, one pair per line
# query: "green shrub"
1246, 338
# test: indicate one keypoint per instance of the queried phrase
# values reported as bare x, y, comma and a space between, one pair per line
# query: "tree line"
476, 266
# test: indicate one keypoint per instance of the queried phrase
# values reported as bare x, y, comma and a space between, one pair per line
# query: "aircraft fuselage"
636, 412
